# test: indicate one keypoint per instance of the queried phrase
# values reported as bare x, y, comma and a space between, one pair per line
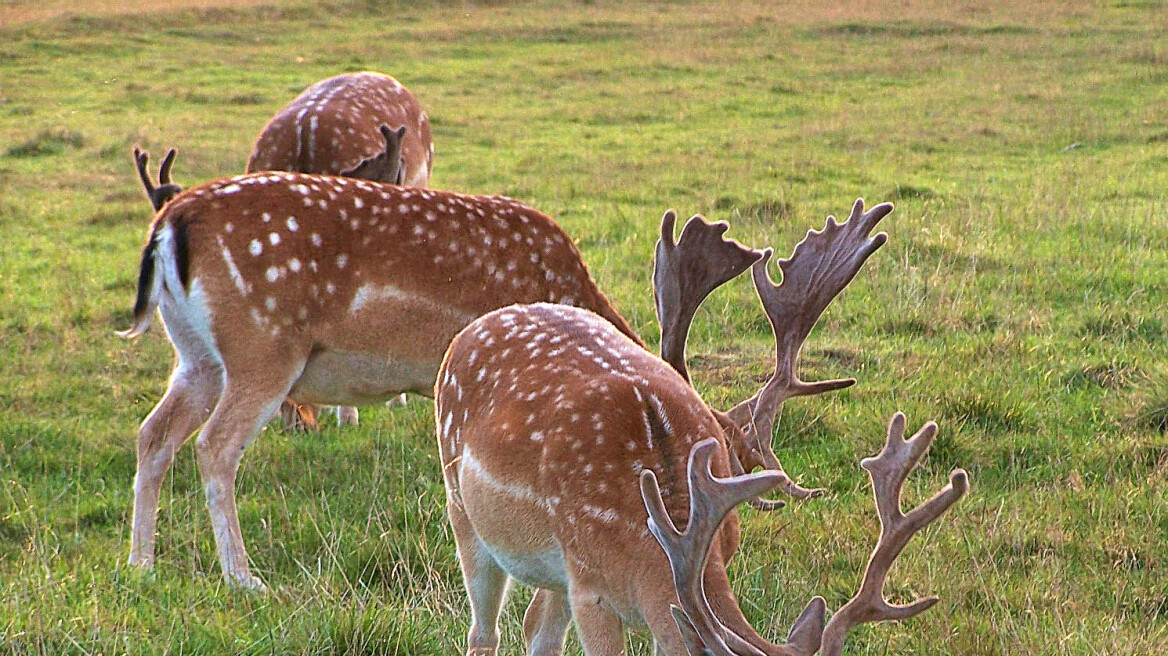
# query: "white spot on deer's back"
294, 265
316, 240
274, 238
342, 260
255, 247
292, 225
272, 274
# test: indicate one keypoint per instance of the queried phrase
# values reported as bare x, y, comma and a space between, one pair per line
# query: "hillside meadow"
1020, 301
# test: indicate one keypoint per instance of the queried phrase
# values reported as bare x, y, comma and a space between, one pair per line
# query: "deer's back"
546, 417
333, 125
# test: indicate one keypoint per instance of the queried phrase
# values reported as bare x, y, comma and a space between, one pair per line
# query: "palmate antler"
684, 274
888, 469
711, 499
165, 189
819, 268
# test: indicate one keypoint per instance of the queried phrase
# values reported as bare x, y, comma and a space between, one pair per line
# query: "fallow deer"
337, 127
546, 415
333, 128
326, 290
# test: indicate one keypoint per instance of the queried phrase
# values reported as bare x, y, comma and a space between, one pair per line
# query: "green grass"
1020, 302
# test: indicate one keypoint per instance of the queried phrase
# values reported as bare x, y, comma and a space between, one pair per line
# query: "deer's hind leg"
486, 584
545, 624
253, 392
193, 392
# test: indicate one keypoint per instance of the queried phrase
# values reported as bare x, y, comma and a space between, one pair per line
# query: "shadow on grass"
48, 142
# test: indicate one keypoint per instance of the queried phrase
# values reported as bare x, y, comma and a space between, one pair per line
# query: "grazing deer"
336, 127
546, 415
342, 125
326, 290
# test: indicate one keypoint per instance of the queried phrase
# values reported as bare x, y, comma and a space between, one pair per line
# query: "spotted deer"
325, 290
547, 415
337, 127
340, 126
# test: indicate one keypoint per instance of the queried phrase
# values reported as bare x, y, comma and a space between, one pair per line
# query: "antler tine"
710, 499
164, 169
888, 471
684, 274
166, 189
820, 267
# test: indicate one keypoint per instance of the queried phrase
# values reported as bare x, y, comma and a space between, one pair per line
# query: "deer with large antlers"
325, 290
546, 415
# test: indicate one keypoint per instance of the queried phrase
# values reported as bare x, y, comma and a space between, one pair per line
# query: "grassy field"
1021, 301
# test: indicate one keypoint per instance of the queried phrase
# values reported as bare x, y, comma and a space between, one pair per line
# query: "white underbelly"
349, 378
540, 570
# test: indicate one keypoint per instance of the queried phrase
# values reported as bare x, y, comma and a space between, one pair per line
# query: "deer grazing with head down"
349, 125
337, 127
325, 290
565, 445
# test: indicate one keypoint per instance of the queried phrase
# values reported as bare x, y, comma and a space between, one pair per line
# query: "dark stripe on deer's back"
662, 443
